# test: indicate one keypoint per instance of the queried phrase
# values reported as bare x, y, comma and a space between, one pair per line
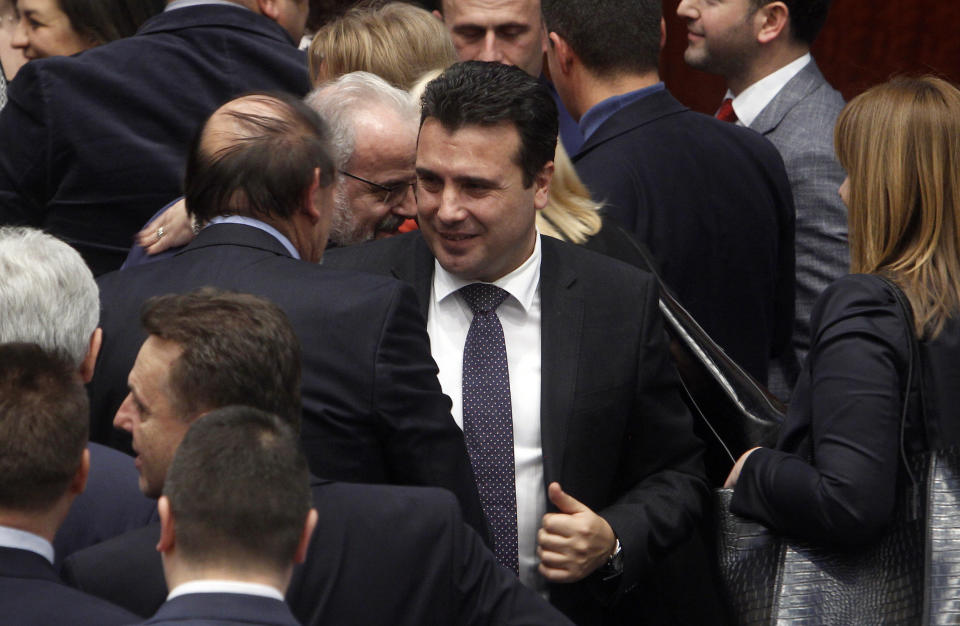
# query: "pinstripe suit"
799, 122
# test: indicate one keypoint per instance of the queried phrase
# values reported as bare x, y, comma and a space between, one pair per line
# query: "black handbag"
911, 575
732, 411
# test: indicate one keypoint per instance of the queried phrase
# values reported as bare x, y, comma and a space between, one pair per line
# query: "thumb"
563, 501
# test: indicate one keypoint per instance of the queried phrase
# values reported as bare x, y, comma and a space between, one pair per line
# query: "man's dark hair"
264, 170
807, 17
239, 489
102, 21
610, 37
237, 349
478, 93
44, 423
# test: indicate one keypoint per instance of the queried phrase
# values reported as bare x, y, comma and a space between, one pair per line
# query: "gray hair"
47, 293
341, 101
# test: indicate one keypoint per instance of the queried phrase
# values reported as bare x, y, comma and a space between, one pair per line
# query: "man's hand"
574, 542
177, 230
734, 475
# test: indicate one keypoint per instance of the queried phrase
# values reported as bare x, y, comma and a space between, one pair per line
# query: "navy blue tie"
488, 418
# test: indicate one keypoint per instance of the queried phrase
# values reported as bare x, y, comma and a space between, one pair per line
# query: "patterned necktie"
726, 113
488, 418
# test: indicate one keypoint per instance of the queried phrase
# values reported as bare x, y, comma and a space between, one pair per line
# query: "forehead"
37, 6
151, 371
473, 150
491, 12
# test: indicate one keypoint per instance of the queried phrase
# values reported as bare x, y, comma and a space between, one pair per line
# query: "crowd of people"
370, 332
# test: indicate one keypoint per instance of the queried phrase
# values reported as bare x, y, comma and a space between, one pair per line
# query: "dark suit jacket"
211, 609
373, 410
94, 144
615, 433
379, 555
111, 504
713, 204
31, 594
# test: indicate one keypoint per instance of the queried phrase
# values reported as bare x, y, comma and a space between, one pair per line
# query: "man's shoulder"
369, 505
378, 256
595, 272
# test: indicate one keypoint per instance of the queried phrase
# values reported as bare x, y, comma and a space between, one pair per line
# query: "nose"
408, 207
123, 420
19, 39
450, 210
685, 9
490, 50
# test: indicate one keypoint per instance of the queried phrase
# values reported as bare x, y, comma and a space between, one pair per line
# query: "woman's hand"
171, 229
737, 467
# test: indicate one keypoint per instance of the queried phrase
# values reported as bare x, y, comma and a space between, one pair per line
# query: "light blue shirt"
22, 540
267, 228
604, 110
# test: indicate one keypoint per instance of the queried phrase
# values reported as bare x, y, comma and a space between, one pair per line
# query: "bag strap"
913, 357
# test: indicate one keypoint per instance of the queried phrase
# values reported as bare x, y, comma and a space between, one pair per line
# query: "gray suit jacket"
799, 121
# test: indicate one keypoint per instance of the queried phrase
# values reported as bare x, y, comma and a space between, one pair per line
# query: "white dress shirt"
23, 540
448, 321
225, 586
755, 98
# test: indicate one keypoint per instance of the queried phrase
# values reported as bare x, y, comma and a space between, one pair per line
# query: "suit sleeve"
664, 488
425, 446
24, 148
846, 494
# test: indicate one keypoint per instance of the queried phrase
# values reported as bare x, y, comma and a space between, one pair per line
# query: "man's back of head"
43, 431
610, 37
374, 133
238, 490
49, 295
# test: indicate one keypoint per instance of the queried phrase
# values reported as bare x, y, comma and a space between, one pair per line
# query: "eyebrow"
478, 181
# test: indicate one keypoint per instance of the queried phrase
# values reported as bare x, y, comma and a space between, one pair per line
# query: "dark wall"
863, 43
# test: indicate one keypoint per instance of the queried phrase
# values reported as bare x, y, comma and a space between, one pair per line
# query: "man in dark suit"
235, 515
762, 49
94, 144
570, 405
711, 201
380, 554
261, 173
43, 466
50, 298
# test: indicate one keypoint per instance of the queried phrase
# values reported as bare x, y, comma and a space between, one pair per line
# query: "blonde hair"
396, 41
900, 145
570, 214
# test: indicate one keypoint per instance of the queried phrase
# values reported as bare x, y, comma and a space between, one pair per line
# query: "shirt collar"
604, 110
182, 4
521, 283
267, 228
757, 96
225, 586
23, 540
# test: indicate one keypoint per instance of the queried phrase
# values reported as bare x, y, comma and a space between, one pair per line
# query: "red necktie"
725, 112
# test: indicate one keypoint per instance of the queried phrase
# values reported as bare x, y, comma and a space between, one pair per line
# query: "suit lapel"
641, 112
807, 80
562, 305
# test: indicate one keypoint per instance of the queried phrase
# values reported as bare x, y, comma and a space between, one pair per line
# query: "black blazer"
713, 204
204, 609
373, 410
379, 555
94, 144
32, 594
615, 432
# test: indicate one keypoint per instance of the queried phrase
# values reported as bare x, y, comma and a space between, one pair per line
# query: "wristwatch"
614, 565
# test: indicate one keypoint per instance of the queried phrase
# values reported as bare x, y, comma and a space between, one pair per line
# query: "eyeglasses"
392, 195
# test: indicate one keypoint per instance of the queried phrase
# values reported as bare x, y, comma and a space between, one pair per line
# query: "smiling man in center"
554, 356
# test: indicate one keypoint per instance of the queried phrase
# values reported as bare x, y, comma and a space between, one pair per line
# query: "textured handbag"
736, 413
911, 575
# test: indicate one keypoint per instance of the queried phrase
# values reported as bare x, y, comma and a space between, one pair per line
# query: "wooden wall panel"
863, 43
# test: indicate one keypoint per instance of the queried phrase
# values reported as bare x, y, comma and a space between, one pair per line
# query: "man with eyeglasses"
374, 130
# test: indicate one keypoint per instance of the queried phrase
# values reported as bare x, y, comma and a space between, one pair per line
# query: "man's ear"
437, 14
79, 481
90, 361
167, 535
663, 34
312, 197
563, 52
541, 185
311, 522
771, 20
